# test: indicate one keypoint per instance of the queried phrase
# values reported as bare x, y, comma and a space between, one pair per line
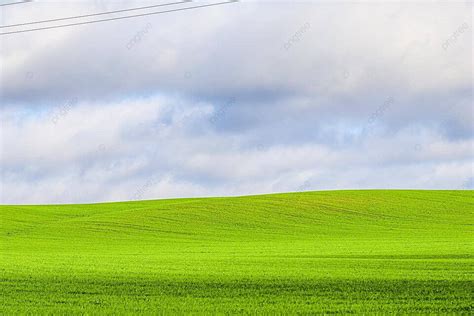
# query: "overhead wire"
119, 18
94, 14
13, 3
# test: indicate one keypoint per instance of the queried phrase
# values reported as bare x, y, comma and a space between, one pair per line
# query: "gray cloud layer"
239, 99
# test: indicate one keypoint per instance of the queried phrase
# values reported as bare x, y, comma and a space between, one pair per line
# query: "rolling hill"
369, 251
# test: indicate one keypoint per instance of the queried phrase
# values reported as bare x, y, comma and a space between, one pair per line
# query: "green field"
313, 252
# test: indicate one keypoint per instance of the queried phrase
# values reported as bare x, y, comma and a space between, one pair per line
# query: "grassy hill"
334, 251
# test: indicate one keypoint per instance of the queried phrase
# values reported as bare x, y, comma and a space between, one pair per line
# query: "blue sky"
246, 98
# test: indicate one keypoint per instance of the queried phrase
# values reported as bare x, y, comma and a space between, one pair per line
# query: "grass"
314, 252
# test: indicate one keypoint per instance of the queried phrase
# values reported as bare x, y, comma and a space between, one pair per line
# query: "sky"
240, 98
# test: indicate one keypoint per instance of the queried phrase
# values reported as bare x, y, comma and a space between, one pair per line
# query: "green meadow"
373, 251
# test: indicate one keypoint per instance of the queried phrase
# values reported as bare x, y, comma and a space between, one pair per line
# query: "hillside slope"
333, 251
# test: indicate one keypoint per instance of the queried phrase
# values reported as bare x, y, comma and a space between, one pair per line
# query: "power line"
119, 18
94, 14
13, 3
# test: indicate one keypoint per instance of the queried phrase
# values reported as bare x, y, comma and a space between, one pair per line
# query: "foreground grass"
314, 252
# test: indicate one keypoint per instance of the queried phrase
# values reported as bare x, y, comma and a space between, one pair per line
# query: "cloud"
159, 147
246, 98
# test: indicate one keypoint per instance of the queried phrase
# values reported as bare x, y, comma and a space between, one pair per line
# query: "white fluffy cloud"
244, 98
